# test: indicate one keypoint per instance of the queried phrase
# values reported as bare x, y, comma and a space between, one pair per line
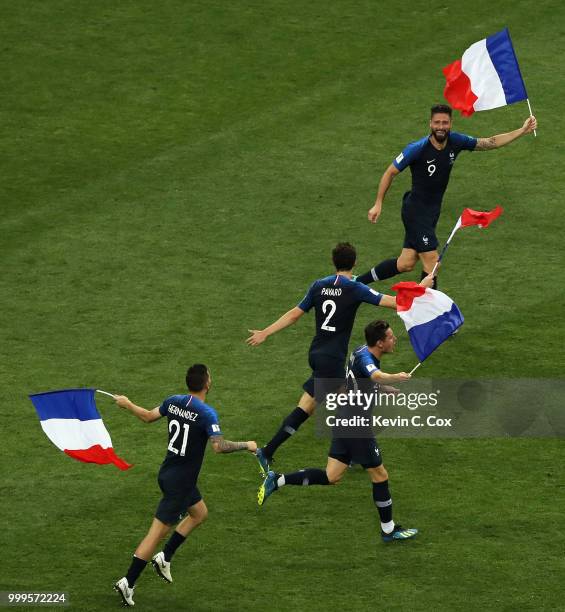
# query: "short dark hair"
440, 108
344, 256
197, 377
375, 331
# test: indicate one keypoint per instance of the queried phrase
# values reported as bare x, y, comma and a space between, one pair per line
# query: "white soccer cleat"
123, 589
162, 567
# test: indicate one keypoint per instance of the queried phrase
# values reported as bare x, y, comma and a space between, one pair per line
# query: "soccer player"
430, 159
365, 367
191, 422
335, 300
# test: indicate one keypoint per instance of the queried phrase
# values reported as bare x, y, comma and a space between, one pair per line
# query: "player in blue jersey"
430, 160
191, 423
335, 300
356, 443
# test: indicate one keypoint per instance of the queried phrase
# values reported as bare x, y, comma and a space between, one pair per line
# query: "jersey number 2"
331, 306
174, 424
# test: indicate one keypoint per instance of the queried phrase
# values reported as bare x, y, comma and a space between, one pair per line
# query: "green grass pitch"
175, 173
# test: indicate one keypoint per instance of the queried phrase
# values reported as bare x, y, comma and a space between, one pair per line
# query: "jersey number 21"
174, 431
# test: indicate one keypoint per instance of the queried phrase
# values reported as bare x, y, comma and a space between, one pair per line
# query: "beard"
441, 137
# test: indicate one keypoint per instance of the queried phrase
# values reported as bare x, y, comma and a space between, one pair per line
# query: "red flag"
458, 90
477, 217
407, 291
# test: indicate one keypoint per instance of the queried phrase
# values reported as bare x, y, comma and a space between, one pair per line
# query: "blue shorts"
419, 225
364, 451
328, 375
177, 498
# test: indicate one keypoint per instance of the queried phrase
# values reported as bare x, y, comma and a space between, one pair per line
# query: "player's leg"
407, 259
156, 533
304, 478
383, 501
306, 407
197, 514
141, 557
381, 496
333, 473
388, 268
429, 260
427, 243
328, 375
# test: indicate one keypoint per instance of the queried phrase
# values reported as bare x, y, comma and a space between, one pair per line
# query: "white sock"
387, 527
280, 481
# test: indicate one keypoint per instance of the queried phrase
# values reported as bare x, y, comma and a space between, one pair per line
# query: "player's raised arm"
220, 445
500, 140
260, 335
384, 186
147, 416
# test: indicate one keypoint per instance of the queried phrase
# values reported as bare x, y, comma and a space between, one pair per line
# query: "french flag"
430, 316
487, 76
71, 421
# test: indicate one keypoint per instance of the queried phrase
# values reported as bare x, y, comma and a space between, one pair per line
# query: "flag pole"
415, 368
106, 393
531, 114
457, 226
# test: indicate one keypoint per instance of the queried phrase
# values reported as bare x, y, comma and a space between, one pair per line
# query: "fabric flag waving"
430, 316
468, 218
476, 217
487, 76
72, 422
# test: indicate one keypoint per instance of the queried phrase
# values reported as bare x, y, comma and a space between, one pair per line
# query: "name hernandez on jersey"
190, 422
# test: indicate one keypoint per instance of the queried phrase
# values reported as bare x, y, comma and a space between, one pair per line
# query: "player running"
191, 422
335, 300
430, 159
356, 444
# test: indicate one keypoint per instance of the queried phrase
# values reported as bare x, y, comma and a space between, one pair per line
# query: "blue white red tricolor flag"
71, 421
487, 76
430, 316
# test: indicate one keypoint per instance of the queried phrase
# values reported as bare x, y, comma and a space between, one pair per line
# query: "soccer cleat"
122, 587
264, 461
268, 487
162, 567
398, 533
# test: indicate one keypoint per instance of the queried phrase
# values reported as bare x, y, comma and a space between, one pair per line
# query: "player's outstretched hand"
428, 281
403, 376
530, 125
252, 446
374, 213
122, 401
258, 336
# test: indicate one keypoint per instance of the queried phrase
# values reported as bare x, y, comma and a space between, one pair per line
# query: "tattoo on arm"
227, 446
484, 144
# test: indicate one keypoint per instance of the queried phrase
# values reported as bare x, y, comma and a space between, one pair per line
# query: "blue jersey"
362, 364
431, 168
336, 299
191, 423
